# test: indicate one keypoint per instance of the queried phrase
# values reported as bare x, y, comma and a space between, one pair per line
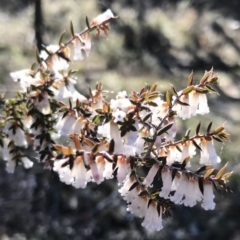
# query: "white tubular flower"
151, 174
188, 149
94, 173
102, 18
65, 124
173, 155
191, 194
63, 170
181, 189
10, 166
167, 183
42, 103
138, 206
208, 153
77, 126
182, 111
27, 163
118, 116
127, 194
5, 150
152, 219
108, 170
87, 43
100, 162
123, 166
78, 50
203, 104
17, 135
193, 101
115, 135
79, 178
208, 196
171, 133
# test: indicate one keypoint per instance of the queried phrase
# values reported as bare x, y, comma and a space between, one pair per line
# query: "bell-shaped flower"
167, 183
208, 196
153, 219
208, 153
123, 167
181, 189
151, 174
203, 104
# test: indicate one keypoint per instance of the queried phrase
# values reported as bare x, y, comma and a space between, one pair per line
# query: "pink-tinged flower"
79, 171
208, 153
87, 43
188, 150
203, 104
192, 193
208, 196
151, 174
152, 219
78, 50
167, 183
102, 18
108, 170
123, 166
173, 155
181, 189
100, 162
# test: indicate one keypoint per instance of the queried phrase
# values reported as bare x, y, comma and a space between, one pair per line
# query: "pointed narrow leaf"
188, 90
190, 79
153, 87
61, 40
133, 186
71, 28
208, 173
196, 145
164, 129
203, 168
198, 128
209, 127
168, 99
185, 162
221, 171
174, 91
200, 184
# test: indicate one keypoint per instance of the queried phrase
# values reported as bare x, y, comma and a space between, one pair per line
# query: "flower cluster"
119, 137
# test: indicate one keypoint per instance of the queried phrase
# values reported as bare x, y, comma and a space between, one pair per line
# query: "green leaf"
188, 90
198, 128
164, 129
196, 145
190, 79
61, 40
71, 28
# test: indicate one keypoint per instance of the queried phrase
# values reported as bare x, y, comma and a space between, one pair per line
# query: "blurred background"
152, 41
